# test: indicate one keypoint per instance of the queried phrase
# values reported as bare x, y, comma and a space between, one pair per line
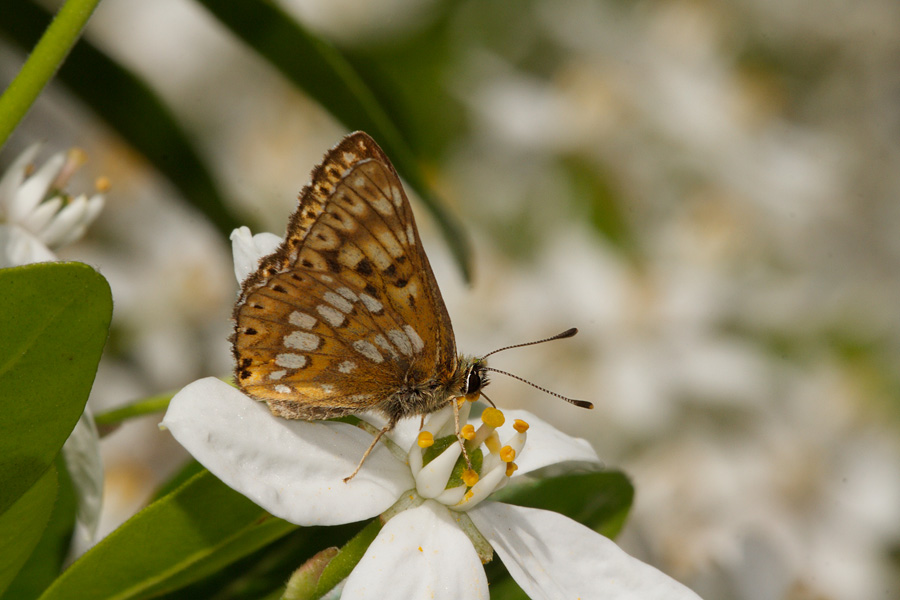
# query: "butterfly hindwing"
347, 311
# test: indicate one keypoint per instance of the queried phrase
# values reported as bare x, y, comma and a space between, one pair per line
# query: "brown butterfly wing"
347, 311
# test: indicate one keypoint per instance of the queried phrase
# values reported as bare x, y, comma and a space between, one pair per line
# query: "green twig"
45, 59
147, 406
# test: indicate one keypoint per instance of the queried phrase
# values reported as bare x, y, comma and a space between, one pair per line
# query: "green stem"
140, 408
43, 62
149, 405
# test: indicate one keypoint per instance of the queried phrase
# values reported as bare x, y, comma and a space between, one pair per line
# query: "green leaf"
599, 500
46, 562
320, 70
22, 525
197, 530
266, 570
131, 108
54, 318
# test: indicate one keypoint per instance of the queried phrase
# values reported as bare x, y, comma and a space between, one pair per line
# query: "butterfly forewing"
347, 311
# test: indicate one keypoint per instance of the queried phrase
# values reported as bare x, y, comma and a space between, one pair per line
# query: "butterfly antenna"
559, 336
581, 403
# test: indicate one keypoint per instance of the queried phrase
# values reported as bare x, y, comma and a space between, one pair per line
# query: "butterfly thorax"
421, 395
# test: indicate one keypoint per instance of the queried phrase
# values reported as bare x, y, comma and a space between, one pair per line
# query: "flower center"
441, 471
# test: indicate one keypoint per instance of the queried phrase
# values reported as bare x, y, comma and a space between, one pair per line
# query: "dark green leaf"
197, 530
130, 107
22, 525
54, 319
46, 562
319, 69
598, 500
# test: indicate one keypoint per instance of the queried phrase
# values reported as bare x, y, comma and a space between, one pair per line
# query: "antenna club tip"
583, 404
569, 332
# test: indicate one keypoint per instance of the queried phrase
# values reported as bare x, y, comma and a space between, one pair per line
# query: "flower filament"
440, 470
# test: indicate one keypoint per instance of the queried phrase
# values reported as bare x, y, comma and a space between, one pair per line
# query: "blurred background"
708, 191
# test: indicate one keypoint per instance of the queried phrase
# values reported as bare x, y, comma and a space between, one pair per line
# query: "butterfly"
346, 315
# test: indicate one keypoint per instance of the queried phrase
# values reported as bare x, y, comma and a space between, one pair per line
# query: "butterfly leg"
462, 441
368, 451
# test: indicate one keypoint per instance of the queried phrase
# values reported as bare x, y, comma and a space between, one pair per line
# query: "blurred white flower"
35, 216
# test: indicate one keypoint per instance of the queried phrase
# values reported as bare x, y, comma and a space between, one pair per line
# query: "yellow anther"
492, 417
469, 495
507, 454
520, 426
420, 549
511, 468
460, 401
425, 440
467, 431
473, 397
102, 184
470, 477
493, 442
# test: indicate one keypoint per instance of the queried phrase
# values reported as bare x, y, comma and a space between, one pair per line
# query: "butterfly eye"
473, 381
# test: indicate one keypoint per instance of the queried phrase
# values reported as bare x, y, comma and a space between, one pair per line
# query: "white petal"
88, 211
35, 188
420, 553
19, 247
293, 469
67, 226
41, 216
248, 249
82, 454
551, 556
546, 444
13, 178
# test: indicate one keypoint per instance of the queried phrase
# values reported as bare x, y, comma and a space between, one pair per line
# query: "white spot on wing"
347, 366
380, 204
397, 195
417, 342
276, 375
382, 343
339, 302
301, 340
282, 389
373, 305
410, 234
401, 341
348, 294
302, 320
334, 317
368, 350
290, 361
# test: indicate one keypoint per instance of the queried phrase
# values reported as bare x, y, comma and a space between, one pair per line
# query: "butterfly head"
475, 377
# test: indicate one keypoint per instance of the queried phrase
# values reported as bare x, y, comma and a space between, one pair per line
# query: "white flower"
35, 218
295, 470
440, 523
